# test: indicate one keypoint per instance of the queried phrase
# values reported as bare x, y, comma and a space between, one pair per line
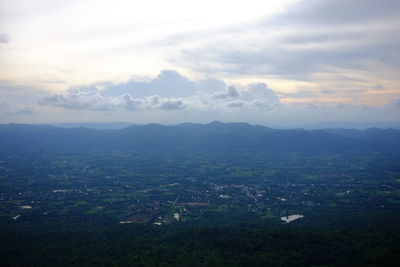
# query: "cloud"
168, 84
172, 104
25, 111
19, 94
260, 92
301, 94
159, 93
17, 100
329, 12
130, 103
294, 60
7, 109
93, 99
311, 37
84, 98
318, 93
236, 104
218, 97
327, 91
4, 38
210, 85
230, 93
254, 103
378, 87
395, 103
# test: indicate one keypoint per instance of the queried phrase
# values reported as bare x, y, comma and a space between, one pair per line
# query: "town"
164, 189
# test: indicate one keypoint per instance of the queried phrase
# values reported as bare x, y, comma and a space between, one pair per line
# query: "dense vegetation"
201, 195
255, 245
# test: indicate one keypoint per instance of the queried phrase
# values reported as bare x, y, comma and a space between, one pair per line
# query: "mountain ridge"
213, 136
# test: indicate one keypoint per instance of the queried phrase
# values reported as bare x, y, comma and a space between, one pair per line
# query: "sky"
287, 63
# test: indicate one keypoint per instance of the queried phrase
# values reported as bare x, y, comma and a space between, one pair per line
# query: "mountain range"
214, 136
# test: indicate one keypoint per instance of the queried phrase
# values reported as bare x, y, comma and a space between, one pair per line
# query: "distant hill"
94, 125
214, 136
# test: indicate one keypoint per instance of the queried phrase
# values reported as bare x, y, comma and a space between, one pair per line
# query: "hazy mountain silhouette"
214, 136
